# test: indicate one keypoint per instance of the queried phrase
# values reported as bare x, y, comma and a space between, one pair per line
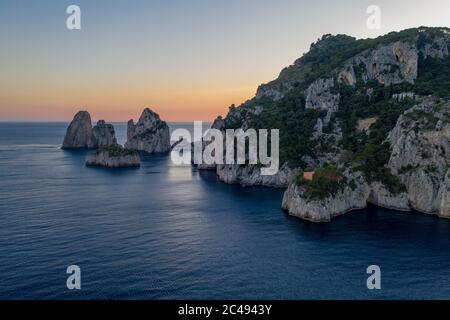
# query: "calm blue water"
167, 232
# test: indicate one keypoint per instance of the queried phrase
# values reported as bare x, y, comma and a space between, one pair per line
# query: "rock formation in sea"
114, 156
79, 132
103, 134
370, 118
81, 135
150, 134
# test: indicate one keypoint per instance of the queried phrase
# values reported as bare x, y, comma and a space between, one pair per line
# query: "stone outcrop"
388, 64
382, 197
297, 204
79, 132
365, 124
421, 154
114, 156
347, 76
81, 135
270, 92
103, 134
250, 175
319, 95
150, 134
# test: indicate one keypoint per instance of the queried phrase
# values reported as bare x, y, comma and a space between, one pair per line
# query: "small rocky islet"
361, 122
114, 156
149, 135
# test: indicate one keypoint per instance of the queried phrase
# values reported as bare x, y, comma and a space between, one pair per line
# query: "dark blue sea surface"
168, 232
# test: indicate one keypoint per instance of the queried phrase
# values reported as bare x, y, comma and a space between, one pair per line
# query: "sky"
186, 59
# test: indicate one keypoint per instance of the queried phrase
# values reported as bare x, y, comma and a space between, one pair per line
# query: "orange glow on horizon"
121, 106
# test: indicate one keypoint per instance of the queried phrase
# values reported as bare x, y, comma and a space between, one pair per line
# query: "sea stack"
79, 133
103, 134
150, 134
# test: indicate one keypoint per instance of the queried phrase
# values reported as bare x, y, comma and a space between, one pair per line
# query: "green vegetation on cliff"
365, 150
433, 77
116, 151
296, 126
326, 182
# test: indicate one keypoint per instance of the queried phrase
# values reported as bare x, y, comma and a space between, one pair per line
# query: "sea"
172, 232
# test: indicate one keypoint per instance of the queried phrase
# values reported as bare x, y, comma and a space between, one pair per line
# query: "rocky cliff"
299, 203
249, 175
419, 158
421, 155
150, 134
376, 109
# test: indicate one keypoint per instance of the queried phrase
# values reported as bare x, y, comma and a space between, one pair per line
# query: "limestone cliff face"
382, 197
150, 134
250, 175
444, 196
271, 92
103, 134
79, 132
421, 154
297, 204
389, 64
420, 158
245, 175
347, 76
319, 96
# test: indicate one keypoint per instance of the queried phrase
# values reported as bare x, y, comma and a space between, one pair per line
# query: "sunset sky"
187, 60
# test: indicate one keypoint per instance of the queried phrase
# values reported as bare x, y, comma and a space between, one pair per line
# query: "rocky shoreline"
416, 172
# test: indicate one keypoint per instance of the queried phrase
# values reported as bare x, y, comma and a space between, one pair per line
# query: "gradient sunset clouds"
188, 60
